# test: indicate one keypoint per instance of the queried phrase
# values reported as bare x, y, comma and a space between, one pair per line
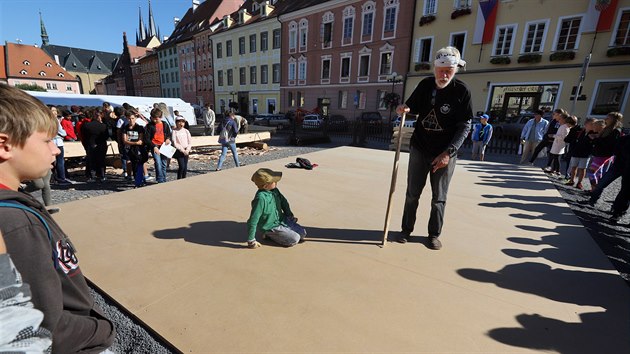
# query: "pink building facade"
339, 56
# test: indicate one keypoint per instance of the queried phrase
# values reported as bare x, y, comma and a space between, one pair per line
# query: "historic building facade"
524, 55
150, 72
27, 64
247, 60
341, 57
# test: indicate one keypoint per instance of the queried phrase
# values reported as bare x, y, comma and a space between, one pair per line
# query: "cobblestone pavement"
133, 337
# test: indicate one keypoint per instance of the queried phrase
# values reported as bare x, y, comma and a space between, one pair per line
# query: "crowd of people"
597, 151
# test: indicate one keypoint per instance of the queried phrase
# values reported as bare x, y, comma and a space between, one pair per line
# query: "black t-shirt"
133, 133
444, 115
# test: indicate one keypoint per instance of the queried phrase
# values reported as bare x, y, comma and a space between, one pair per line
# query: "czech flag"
486, 17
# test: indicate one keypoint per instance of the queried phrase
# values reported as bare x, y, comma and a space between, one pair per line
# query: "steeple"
43, 30
152, 30
142, 35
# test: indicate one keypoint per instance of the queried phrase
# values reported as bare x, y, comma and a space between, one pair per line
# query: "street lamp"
233, 93
394, 78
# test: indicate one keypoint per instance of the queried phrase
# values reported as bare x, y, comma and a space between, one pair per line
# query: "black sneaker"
434, 243
403, 237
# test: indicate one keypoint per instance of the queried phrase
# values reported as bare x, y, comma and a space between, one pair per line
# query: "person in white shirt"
208, 119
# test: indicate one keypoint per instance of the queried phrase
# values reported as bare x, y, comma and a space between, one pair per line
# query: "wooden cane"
392, 187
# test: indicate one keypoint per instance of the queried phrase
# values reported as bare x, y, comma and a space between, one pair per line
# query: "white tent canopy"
143, 104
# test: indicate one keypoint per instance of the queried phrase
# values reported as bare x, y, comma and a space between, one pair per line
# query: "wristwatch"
451, 151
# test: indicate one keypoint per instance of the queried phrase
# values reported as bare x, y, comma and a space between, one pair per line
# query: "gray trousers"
42, 184
288, 235
419, 168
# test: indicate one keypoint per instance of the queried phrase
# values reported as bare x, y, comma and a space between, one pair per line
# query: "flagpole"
392, 186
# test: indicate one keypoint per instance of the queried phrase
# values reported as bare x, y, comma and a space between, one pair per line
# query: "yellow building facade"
536, 54
246, 53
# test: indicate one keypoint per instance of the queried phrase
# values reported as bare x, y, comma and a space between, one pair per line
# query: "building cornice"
314, 9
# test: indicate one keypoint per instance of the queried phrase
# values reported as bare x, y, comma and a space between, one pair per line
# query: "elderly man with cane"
444, 108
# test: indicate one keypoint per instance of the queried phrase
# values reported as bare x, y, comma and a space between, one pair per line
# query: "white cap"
448, 57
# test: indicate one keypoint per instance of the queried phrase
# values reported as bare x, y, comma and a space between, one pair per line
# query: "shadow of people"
233, 234
606, 330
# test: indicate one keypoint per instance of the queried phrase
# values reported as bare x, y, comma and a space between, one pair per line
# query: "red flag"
607, 10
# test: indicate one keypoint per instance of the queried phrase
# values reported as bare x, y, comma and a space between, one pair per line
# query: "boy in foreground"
41, 251
271, 213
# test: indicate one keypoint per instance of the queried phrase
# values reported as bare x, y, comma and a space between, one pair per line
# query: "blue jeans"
160, 167
60, 166
224, 148
419, 168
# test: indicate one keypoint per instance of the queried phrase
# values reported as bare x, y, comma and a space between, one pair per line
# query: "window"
380, 98
252, 43
252, 75
462, 4
291, 69
264, 74
390, 19
228, 48
364, 65
303, 34
241, 45
276, 39
242, 79
276, 73
230, 77
422, 52
172, 76
345, 67
171, 63
292, 37
533, 41
430, 7
264, 41
290, 99
300, 99
343, 99
458, 40
622, 35
610, 96
326, 69
568, 33
367, 27
219, 50
327, 27
220, 77
503, 42
176, 61
386, 63
348, 24
302, 69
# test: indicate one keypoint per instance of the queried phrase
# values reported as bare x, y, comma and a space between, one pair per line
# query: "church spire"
152, 30
142, 35
44, 34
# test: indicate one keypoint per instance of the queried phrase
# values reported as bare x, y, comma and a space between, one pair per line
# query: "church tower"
152, 30
44, 34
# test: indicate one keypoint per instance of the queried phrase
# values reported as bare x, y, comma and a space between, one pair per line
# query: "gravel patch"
134, 337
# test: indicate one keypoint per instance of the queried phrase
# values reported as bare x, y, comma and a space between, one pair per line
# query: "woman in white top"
183, 143
558, 146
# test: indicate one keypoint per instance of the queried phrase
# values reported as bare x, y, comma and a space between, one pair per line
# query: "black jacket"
150, 133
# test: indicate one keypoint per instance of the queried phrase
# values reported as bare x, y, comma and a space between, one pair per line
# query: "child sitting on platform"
271, 213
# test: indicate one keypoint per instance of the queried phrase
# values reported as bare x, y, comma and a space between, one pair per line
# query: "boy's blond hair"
21, 115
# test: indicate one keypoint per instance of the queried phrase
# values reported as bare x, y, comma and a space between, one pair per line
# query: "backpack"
224, 135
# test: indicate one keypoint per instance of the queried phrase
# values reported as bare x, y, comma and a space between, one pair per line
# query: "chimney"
195, 5
176, 21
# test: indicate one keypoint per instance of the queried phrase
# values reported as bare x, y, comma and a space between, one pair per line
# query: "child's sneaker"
568, 182
579, 185
253, 244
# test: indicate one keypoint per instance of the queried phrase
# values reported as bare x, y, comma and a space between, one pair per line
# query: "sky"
86, 24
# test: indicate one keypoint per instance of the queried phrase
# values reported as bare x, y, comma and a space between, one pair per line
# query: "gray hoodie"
49, 264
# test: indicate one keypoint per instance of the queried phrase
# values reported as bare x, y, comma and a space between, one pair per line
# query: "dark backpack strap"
17, 205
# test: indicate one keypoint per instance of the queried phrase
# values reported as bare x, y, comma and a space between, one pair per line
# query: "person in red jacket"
66, 124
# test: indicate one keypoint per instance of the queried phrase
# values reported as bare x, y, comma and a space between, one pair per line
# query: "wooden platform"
518, 273
75, 149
